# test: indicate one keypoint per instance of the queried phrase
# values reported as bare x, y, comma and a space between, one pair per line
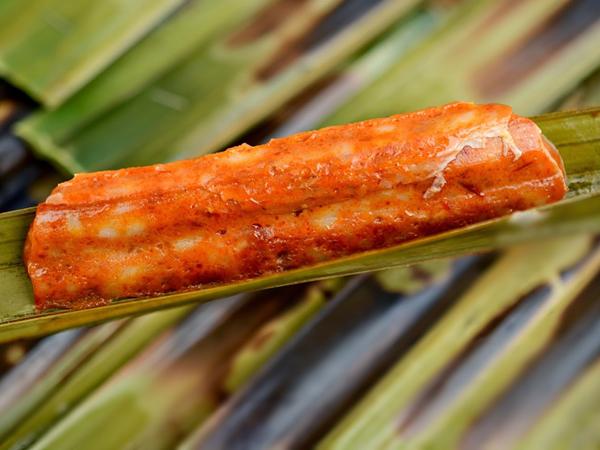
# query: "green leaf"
234, 77
270, 337
363, 330
572, 422
46, 370
531, 287
173, 40
147, 404
486, 52
81, 37
576, 134
75, 377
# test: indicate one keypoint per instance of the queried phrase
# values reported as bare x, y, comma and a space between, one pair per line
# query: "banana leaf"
232, 80
576, 134
352, 341
81, 38
500, 328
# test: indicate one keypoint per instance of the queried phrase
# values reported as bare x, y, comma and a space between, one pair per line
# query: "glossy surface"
290, 203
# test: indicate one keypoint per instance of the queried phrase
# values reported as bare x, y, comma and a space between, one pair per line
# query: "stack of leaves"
433, 356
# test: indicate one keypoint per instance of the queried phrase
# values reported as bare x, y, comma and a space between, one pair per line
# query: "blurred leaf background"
490, 352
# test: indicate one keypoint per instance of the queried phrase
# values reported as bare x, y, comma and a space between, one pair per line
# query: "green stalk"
82, 37
20, 396
586, 95
190, 26
148, 403
484, 39
565, 218
59, 394
227, 84
572, 422
377, 421
275, 333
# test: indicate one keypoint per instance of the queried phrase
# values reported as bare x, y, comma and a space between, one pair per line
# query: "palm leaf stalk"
273, 334
435, 392
197, 356
358, 335
65, 384
586, 95
23, 287
46, 366
576, 134
571, 344
82, 37
571, 422
227, 84
174, 39
499, 60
